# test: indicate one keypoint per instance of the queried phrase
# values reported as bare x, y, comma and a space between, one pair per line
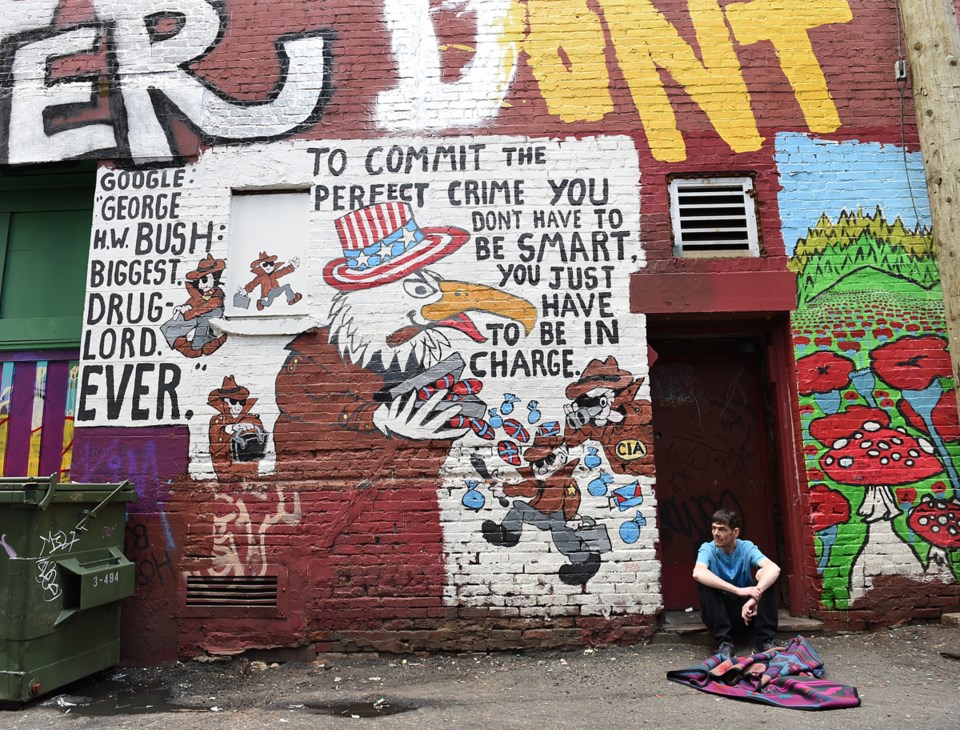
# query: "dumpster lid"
41, 491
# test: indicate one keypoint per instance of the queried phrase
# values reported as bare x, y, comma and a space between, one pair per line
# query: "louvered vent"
713, 217
232, 591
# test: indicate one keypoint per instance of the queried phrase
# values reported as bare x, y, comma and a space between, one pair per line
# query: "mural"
237, 437
876, 394
241, 525
435, 322
153, 48
37, 409
189, 330
266, 276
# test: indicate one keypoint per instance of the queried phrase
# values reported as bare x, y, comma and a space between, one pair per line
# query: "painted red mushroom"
937, 521
828, 507
872, 455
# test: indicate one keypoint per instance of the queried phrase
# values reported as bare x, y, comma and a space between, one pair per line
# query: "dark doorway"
712, 450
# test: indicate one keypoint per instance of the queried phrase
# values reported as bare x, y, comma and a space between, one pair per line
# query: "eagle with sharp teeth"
393, 317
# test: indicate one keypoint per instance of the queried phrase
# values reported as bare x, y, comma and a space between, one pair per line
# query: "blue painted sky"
820, 176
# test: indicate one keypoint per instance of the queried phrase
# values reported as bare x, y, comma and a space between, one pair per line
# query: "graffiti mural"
876, 392
151, 49
237, 438
37, 409
122, 79
241, 525
189, 330
434, 322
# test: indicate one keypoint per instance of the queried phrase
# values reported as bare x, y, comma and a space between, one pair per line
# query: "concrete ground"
907, 676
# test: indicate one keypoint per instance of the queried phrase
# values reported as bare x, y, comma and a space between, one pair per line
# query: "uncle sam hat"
382, 243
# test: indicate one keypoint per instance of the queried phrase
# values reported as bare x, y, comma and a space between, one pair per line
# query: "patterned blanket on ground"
785, 677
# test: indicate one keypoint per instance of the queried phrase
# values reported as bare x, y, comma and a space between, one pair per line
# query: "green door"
45, 219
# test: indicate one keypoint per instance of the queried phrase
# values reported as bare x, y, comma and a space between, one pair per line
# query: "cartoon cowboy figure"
554, 505
237, 436
604, 408
189, 331
267, 272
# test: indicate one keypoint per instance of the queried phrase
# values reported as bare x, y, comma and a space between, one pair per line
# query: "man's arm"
702, 574
767, 574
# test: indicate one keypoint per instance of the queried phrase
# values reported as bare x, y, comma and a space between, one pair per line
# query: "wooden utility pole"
933, 50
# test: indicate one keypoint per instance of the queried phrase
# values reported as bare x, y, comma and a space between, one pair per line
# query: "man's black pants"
721, 613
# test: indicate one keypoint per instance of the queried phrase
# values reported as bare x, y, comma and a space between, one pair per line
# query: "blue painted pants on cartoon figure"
567, 541
274, 293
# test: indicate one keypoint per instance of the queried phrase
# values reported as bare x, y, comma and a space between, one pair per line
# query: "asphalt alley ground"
908, 676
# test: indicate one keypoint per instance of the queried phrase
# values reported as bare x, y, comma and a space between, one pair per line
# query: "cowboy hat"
606, 374
230, 389
263, 259
207, 265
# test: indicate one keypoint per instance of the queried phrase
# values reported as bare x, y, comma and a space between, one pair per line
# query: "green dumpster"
62, 577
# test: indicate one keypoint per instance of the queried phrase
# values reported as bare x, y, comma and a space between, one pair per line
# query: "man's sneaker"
764, 646
726, 650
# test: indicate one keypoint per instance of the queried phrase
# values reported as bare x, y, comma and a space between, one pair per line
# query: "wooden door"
711, 450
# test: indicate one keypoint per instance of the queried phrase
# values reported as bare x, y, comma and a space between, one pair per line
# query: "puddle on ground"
113, 696
123, 703
379, 708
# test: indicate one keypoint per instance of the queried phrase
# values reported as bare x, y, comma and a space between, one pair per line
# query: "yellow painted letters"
785, 24
566, 49
646, 42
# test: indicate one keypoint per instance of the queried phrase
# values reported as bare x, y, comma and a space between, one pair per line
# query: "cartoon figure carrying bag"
267, 277
189, 330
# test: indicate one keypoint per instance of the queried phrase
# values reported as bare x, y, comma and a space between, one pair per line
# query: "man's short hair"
726, 517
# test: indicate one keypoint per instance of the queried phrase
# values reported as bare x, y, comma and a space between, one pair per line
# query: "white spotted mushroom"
937, 522
874, 452
865, 451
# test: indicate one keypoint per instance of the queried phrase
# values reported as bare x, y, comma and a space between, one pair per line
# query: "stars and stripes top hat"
382, 243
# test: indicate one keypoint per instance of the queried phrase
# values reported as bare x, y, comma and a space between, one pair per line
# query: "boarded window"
713, 217
269, 240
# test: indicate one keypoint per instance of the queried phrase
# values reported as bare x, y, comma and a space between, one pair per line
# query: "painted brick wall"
510, 162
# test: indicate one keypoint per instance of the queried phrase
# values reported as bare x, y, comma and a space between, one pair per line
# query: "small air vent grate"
713, 217
232, 592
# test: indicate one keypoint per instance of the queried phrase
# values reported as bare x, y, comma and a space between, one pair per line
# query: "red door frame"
799, 571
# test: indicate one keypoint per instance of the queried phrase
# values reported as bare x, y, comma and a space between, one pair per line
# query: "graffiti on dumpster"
55, 544
11, 553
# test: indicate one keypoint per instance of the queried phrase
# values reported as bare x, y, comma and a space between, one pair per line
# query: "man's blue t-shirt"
735, 568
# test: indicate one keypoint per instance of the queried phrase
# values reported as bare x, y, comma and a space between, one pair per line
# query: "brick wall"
515, 157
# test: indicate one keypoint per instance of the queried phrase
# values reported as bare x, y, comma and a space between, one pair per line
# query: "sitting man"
730, 596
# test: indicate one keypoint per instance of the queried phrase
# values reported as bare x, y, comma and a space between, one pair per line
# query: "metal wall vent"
232, 591
713, 217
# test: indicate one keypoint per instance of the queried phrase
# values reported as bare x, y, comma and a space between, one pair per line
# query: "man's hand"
749, 611
751, 592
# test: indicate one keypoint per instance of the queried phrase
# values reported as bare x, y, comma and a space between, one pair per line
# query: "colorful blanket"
785, 677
